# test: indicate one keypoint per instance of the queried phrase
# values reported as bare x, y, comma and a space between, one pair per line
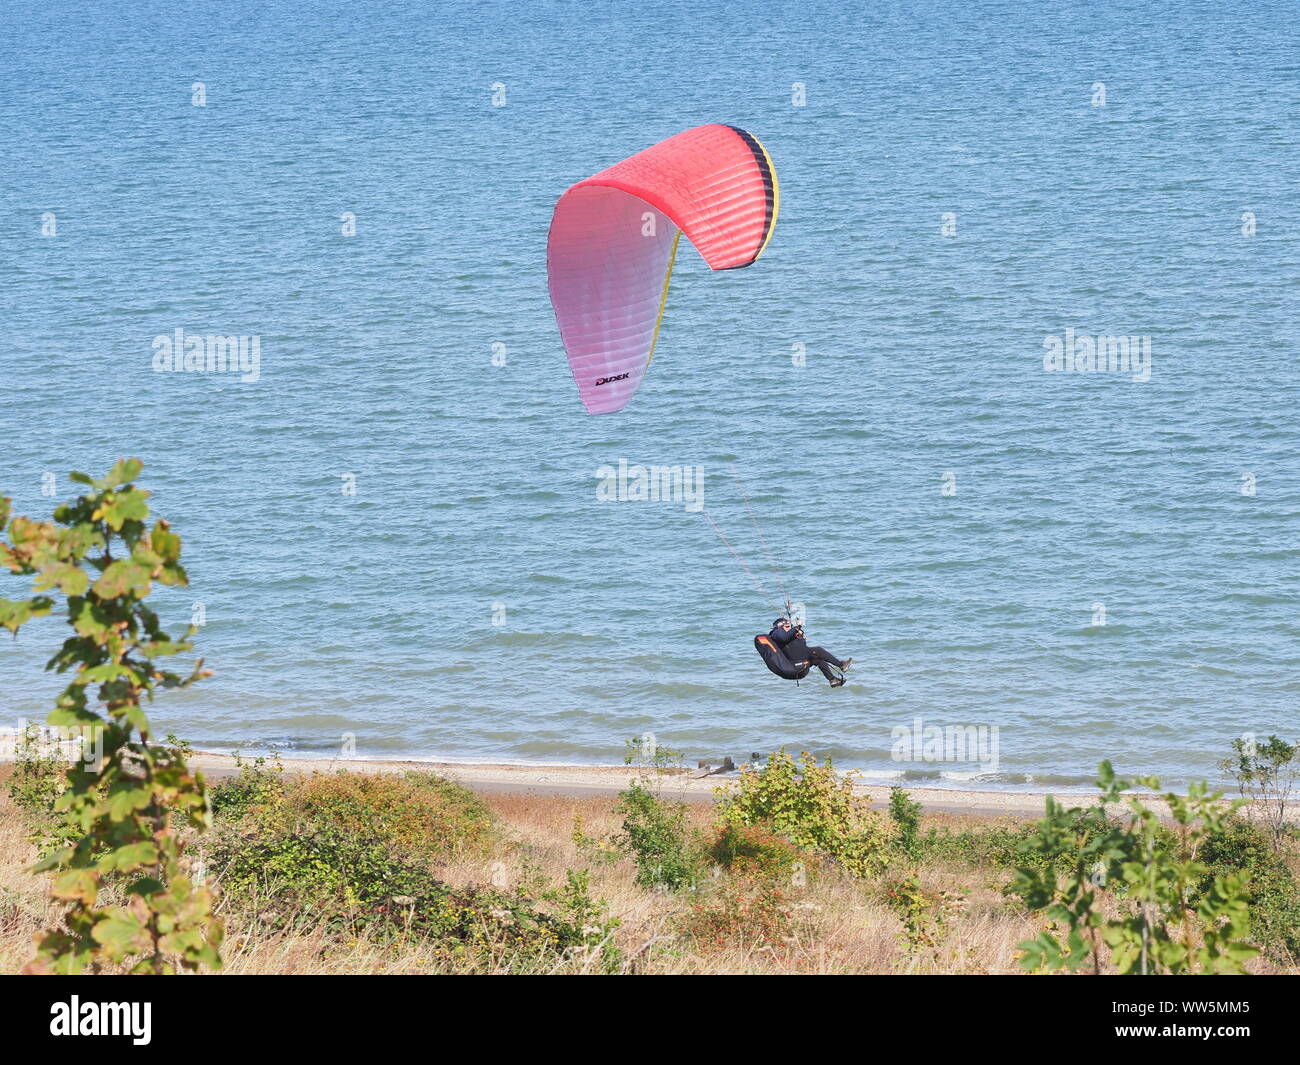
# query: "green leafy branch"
131, 811
1133, 890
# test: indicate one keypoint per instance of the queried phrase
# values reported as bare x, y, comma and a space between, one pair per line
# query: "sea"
394, 525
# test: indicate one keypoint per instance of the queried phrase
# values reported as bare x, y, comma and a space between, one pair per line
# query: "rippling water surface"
373, 615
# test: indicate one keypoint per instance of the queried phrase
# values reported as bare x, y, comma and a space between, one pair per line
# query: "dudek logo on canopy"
651, 484
209, 353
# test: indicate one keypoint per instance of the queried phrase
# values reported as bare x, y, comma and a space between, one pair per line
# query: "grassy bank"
356, 873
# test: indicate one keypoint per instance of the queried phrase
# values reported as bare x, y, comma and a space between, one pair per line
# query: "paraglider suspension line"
766, 550
757, 584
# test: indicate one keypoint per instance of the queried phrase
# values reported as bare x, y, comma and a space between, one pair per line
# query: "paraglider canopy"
614, 237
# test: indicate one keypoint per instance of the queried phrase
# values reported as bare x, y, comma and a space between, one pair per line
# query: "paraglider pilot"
788, 655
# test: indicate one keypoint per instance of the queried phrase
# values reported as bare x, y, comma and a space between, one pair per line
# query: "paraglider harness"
771, 647
773, 653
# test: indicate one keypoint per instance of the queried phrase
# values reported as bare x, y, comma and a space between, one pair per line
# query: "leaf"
75, 543
166, 542
121, 933
132, 856
136, 716
123, 471
54, 860
173, 575
72, 580
165, 648
103, 673
120, 577
78, 885
15, 614
141, 555
121, 507
90, 620
125, 800
71, 716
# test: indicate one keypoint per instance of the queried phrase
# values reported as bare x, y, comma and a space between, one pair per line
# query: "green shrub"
256, 785
999, 847
595, 850
645, 751
352, 853
753, 913
1266, 775
585, 928
34, 786
37, 778
125, 898
1273, 891
655, 834
465, 814
923, 911
330, 878
336, 846
419, 815
1167, 913
757, 851
321, 871
812, 806
906, 815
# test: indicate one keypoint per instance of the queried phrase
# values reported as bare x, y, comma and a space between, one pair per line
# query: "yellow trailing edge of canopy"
663, 299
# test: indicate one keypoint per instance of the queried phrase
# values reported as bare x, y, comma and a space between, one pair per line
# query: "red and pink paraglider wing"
614, 236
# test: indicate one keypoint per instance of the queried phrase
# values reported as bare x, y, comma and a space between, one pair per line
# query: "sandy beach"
687, 785
606, 781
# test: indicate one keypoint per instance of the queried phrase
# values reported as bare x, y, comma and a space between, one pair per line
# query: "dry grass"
844, 925
853, 929
23, 906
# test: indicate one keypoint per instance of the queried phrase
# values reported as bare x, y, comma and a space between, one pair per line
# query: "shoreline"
685, 785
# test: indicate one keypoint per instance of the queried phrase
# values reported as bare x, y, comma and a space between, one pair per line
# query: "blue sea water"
474, 598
